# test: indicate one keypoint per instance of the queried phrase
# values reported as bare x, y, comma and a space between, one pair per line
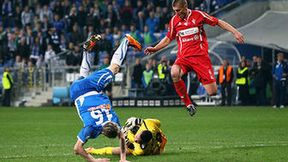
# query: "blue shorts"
96, 81
94, 110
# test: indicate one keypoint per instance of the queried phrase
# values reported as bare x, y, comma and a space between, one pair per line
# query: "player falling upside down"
93, 106
187, 27
142, 136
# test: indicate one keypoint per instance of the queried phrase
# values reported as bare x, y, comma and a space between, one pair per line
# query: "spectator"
152, 22
7, 13
45, 24
140, 21
164, 18
81, 18
147, 75
148, 37
162, 69
17, 17
36, 52
72, 18
26, 16
7, 83
12, 46
46, 13
54, 39
280, 72
58, 24
111, 16
126, 13
50, 55
242, 83
135, 33
260, 74
76, 36
71, 58
3, 44
137, 74
23, 49
225, 79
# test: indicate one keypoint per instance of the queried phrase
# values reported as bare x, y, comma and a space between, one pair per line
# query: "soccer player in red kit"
186, 26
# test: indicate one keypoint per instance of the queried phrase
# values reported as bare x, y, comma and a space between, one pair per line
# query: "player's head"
280, 56
110, 130
144, 137
180, 8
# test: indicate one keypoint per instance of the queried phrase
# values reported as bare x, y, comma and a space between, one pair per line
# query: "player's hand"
239, 37
102, 160
132, 122
150, 50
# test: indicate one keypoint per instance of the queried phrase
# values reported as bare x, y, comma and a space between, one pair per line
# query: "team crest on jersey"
193, 21
189, 31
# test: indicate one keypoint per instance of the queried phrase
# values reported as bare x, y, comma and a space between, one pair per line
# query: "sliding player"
143, 137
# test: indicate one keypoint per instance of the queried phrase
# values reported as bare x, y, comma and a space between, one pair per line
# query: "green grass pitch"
215, 134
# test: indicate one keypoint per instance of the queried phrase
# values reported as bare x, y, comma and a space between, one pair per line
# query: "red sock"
181, 90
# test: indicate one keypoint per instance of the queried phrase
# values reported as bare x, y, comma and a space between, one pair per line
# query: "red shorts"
201, 65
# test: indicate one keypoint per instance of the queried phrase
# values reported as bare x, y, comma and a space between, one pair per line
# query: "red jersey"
190, 34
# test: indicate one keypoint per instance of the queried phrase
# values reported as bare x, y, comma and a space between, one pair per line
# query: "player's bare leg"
211, 88
181, 89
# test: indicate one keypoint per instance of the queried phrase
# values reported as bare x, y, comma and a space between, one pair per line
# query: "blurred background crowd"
43, 33
34, 31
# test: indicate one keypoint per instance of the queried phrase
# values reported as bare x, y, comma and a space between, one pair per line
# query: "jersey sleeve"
207, 19
154, 122
87, 133
171, 34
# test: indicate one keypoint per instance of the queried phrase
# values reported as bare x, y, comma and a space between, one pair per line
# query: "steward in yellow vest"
242, 83
7, 83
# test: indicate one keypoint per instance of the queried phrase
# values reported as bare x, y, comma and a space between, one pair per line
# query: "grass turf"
214, 134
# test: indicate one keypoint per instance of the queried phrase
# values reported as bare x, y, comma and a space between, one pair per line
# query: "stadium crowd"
36, 30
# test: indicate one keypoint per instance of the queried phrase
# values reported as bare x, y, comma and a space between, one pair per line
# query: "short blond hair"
181, 2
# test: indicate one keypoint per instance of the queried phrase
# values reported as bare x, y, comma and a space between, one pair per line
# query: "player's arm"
79, 150
122, 147
226, 26
163, 43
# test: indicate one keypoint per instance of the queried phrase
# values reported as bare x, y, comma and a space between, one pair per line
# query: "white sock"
120, 54
87, 62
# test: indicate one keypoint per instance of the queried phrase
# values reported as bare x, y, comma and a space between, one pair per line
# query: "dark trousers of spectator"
260, 96
244, 94
7, 97
226, 93
279, 92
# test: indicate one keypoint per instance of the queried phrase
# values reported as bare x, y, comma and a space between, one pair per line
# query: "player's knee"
212, 92
175, 75
114, 68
